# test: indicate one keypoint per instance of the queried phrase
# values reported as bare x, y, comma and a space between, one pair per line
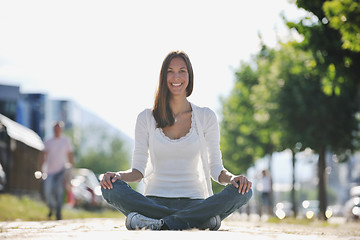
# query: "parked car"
352, 206
85, 189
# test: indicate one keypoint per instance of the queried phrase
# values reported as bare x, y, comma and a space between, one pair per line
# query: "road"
102, 229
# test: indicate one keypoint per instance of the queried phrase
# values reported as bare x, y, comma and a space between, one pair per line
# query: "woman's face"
177, 77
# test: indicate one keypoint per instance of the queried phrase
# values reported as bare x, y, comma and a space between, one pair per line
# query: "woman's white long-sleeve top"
208, 129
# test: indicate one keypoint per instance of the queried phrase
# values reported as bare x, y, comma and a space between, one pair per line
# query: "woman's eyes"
181, 71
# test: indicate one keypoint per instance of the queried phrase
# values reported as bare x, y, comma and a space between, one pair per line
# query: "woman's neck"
179, 105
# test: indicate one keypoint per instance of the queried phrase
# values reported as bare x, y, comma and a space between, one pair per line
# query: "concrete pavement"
102, 229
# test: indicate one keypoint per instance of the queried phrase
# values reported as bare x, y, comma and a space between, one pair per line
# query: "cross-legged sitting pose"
177, 152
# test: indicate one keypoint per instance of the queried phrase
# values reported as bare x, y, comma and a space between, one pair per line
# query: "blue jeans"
177, 213
54, 191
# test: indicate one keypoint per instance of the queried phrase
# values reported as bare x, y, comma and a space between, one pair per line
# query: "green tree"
275, 81
264, 100
336, 74
271, 64
100, 161
249, 128
102, 151
339, 65
310, 116
237, 126
344, 16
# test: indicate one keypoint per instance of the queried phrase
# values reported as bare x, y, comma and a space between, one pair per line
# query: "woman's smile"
177, 77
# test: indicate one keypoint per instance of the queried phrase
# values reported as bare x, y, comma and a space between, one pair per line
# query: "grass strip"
25, 208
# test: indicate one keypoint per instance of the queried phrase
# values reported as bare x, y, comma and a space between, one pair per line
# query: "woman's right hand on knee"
108, 179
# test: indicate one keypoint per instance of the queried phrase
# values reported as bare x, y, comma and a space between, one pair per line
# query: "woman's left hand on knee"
241, 183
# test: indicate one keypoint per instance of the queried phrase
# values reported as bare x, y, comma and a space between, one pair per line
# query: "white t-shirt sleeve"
141, 150
212, 138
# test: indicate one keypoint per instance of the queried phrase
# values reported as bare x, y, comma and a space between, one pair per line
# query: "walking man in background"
266, 196
58, 153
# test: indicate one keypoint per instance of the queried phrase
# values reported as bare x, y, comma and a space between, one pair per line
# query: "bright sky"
106, 55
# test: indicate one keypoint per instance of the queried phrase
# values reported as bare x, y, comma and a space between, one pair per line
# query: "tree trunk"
293, 197
322, 184
358, 96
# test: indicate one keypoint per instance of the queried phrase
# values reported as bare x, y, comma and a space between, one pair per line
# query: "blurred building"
31, 112
20, 156
34, 114
36, 111
9, 97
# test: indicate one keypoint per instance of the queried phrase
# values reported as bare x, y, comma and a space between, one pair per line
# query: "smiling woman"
177, 152
177, 76
176, 79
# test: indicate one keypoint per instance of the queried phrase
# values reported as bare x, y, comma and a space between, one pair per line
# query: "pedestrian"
58, 153
182, 143
266, 183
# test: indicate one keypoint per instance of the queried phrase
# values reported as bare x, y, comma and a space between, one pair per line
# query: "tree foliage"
344, 16
101, 160
302, 94
325, 97
309, 115
250, 129
237, 126
102, 151
325, 43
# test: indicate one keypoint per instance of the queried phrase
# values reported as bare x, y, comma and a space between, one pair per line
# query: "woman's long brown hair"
162, 111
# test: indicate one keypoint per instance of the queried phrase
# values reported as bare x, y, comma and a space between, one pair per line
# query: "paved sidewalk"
102, 229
